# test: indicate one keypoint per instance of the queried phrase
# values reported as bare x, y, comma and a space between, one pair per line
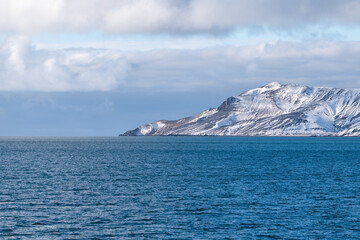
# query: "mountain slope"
272, 110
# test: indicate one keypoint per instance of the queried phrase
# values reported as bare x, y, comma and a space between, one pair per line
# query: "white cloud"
168, 16
27, 69
24, 68
26, 16
17, 50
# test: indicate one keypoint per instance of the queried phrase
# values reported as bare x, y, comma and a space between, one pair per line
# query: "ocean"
179, 188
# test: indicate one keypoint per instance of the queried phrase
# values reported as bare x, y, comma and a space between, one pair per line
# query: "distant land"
272, 110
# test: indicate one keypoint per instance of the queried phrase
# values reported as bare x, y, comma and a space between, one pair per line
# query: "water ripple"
179, 188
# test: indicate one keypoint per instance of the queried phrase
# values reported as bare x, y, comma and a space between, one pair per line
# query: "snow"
273, 86
275, 110
203, 114
148, 128
158, 125
145, 129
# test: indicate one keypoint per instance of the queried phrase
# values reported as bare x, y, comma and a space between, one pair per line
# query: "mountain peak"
272, 110
272, 85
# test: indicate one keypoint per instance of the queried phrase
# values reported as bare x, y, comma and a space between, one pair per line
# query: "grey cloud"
313, 63
172, 17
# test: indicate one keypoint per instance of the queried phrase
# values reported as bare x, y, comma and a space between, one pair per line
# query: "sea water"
180, 188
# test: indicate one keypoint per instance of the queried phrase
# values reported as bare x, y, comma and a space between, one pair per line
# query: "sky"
101, 67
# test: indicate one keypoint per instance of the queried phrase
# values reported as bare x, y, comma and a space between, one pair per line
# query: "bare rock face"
272, 110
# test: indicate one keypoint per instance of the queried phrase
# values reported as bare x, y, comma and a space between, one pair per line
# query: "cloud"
23, 68
319, 63
322, 63
172, 17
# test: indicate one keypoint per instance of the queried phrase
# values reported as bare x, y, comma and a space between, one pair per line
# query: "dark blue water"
179, 188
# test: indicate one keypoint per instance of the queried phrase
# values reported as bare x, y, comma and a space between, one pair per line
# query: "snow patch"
148, 128
272, 86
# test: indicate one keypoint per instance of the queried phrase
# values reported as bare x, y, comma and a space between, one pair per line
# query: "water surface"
180, 188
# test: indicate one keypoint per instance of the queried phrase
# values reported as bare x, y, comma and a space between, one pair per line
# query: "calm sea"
180, 188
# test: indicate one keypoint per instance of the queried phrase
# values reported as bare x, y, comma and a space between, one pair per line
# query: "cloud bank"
24, 68
169, 16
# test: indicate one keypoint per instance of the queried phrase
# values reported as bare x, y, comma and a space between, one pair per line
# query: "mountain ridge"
272, 110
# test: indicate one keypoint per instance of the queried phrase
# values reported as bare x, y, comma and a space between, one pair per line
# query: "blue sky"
102, 67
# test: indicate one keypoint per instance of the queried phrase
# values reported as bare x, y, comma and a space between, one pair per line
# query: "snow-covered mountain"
272, 110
